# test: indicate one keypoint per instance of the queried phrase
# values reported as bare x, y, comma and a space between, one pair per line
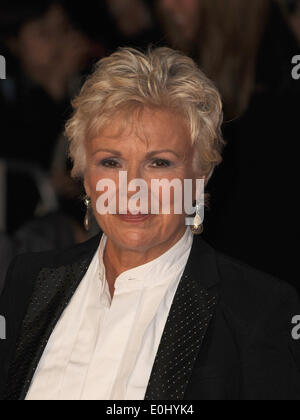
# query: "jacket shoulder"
237, 274
55, 258
19, 285
248, 293
24, 269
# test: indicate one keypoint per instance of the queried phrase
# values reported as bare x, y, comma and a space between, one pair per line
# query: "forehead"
145, 129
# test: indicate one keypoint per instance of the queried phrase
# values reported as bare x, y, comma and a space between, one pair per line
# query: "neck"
117, 260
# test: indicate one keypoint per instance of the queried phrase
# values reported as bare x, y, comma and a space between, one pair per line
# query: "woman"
147, 310
234, 34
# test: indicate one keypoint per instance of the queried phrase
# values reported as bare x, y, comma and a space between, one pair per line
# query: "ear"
86, 186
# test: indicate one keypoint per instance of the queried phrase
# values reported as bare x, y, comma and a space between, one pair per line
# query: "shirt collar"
155, 272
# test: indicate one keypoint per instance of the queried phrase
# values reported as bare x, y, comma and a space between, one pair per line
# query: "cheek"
106, 223
108, 194
167, 224
91, 180
93, 175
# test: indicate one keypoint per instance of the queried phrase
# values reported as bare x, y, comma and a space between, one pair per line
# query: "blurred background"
245, 47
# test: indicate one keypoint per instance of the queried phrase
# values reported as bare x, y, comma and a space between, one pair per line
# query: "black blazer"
228, 335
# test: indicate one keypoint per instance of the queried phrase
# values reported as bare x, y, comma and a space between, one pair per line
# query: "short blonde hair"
161, 78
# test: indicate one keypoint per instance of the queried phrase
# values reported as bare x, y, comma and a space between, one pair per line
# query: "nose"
139, 188
134, 171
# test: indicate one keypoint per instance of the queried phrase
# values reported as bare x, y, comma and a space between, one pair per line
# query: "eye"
109, 163
161, 163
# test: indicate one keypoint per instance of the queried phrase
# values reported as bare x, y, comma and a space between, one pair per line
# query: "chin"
135, 240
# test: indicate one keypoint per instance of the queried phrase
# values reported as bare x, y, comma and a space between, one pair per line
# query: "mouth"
134, 218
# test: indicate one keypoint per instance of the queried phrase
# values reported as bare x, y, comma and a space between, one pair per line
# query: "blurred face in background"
51, 51
38, 43
295, 22
181, 19
131, 16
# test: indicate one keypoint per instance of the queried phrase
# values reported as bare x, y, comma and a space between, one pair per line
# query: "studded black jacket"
238, 340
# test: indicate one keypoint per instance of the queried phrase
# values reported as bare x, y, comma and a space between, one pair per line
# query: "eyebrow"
149, 155
111, 151
156, 152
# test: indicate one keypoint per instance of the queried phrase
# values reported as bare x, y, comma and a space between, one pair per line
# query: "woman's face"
155, 145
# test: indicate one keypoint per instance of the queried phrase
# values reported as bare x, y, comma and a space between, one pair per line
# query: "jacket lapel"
189, 318
53, 290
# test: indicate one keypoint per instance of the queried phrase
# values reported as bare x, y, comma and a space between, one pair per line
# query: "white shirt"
103, 349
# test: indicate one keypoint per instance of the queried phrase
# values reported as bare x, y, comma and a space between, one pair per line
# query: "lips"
134, 218
135, 214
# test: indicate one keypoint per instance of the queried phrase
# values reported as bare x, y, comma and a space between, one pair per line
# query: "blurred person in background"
247, 49
46, 51
132, 16
223, 39
45, 55
291, 10
134, 23
263, 200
